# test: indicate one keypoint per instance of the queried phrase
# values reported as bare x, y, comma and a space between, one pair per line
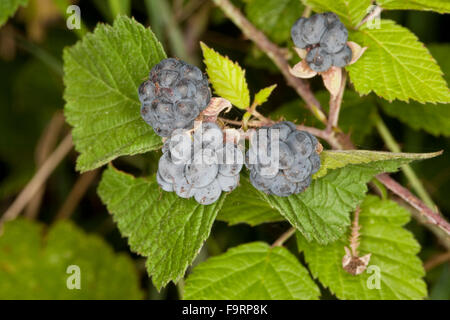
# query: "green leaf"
434, 119
341, 158
34, 264
102, 75
393, 250
252, 271
441, 6
396, 66
159, 225
351, 12
264, 94
226, 77
274, 17
244, 205
8, 8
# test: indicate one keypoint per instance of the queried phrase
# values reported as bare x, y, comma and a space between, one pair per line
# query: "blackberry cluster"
290, 172
199, 164
173, 96
325, 39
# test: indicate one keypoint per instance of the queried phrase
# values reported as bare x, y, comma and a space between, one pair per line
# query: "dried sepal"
332, 79
319, 148
301, 52
215, 107
357, 51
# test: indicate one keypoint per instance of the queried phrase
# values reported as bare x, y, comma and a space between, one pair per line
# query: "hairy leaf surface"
102, 73
433, 118
396, 65
159, 225
251, 271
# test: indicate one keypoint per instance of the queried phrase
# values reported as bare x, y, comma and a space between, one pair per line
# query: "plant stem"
375, 12
307, 12
335, 104
393, 146
76, 194
354, 237
405, 194
284, 237
436, 260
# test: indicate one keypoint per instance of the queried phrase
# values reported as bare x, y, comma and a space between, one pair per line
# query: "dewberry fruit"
288, 172
324, 38
297, 35
173, 96
313, 29
318, 59
199, 164
334, 38
343, 57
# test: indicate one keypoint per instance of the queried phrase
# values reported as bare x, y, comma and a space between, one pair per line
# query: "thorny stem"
284, 237
354, 237
260, 117
405, 194
302, 88
263, 121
